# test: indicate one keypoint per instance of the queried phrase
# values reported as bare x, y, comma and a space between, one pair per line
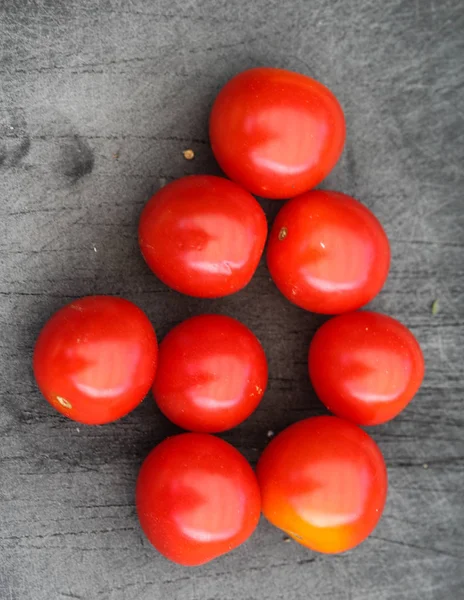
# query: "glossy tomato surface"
324, 482
95, 359
328, 253
365, 367
212, 373
203, 235
276, 132
197, 498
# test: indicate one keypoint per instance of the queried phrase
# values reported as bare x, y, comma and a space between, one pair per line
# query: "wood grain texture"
98, 99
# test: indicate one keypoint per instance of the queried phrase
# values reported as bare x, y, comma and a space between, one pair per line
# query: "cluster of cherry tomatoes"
322, 480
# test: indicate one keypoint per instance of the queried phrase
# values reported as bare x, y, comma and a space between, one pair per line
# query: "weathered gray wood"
98, 99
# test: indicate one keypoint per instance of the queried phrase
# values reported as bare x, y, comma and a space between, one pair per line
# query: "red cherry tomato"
212, 373
365, 367
95, 359
275, 132
197, 498
203, 236
328, 253
324, 482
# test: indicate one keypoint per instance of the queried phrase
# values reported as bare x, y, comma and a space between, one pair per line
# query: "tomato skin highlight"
212, 374
276, 132
197, 498
365, 367
327, 252
95, 359
323, 481
203, 236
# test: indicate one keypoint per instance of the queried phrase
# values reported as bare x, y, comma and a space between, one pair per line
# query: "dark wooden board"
98, 99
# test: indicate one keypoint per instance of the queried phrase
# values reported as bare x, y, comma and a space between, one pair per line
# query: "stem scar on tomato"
283, 233
64, 402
